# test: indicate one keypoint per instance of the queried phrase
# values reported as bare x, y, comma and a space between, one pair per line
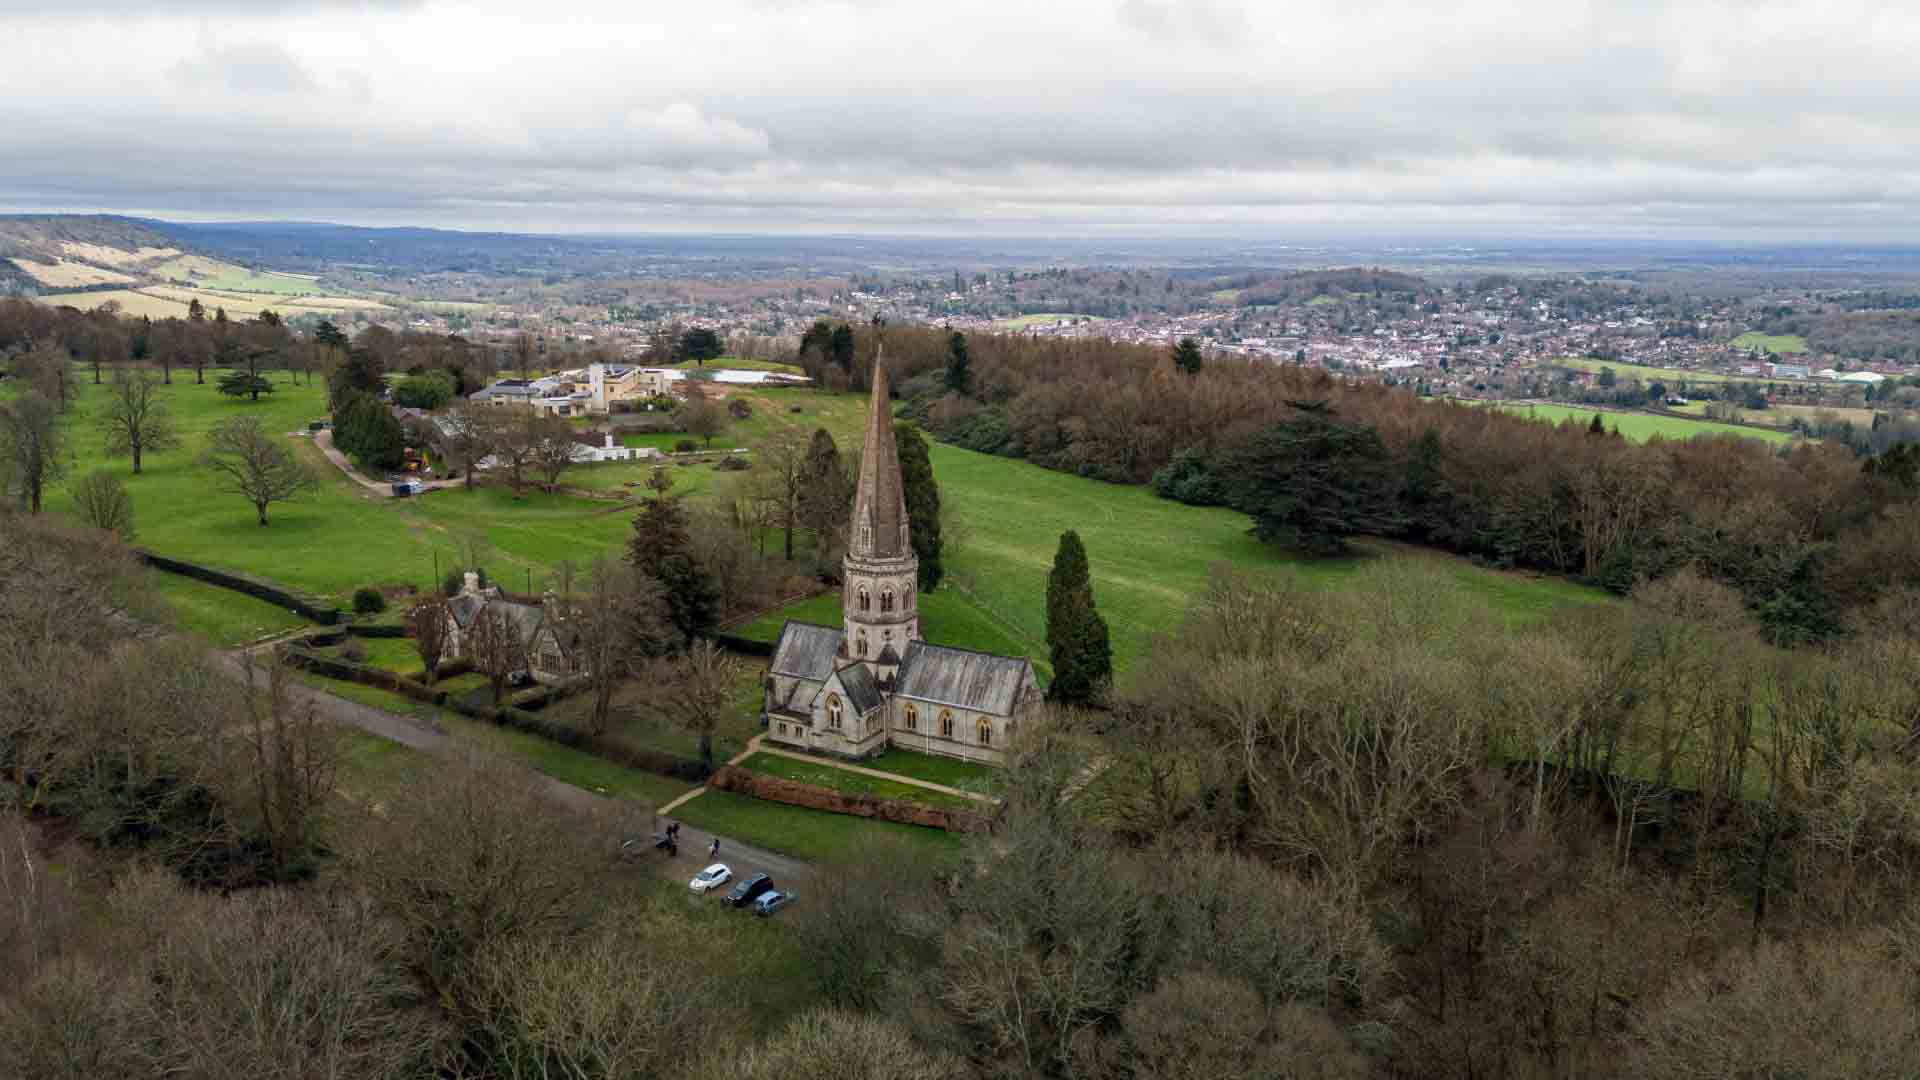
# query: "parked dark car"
748, 891
771, 901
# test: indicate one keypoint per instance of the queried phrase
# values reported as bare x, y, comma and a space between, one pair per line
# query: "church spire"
879, 524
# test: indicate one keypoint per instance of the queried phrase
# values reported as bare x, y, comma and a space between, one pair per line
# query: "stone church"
873, 682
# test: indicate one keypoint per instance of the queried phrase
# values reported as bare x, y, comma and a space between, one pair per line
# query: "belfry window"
886, 599
866, 601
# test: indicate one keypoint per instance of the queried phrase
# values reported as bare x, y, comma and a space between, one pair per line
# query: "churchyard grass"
823, 774
965, 775
814, 835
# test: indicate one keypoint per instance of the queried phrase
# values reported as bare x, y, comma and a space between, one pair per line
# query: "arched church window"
860, 643
985, 728
833, 710
911, 717
865, 600
906, 598
946, 723
886, 599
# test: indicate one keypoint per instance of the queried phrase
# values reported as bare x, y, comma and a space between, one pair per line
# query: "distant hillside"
49, 238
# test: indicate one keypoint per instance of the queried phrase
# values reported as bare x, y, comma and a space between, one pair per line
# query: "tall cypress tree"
1077, 637
923, 503
959, 364
826, 495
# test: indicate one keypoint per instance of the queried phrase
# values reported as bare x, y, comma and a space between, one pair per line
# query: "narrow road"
745, 859
324, 440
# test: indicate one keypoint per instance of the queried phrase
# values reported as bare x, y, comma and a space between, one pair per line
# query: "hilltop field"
1150, 557
1643, 426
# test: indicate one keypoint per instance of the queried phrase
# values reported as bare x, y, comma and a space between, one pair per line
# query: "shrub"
795, 409
1189, 478
368, 601
685, 446
739, 409
733, 463
353, 650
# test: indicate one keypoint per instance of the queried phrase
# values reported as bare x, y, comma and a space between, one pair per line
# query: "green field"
206, 273
1772, 343
1671, 376
1643, 426
221, 616
1046, 318
822, 774
737, 364
815, 835
1150, 556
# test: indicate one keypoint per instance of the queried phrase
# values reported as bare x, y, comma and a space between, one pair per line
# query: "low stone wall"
272, 594
813, 797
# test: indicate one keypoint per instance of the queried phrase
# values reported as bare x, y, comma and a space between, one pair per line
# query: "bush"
1189, 478
368, 601
795, 409
739, 409
353, 650
686, 446
733, 463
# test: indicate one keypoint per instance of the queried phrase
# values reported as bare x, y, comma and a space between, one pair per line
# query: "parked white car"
711, 878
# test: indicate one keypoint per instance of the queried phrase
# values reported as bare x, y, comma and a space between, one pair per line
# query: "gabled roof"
862, 692
464, 607
963, 678
806, 651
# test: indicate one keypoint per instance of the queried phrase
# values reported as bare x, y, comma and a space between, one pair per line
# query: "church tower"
879, 605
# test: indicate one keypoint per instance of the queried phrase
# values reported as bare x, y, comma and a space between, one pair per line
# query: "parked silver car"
711, 878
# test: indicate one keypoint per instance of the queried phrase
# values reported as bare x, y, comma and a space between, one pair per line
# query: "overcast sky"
1689, 118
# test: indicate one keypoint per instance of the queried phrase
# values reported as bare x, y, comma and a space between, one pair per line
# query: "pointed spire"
879, 502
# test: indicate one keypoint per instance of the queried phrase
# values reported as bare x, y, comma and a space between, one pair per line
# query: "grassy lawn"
1670, 376
737, 364
668, 441
221, 616
822, 774
965, 775
1643, 426
563, 763
813, 835
1039, 319
1773, 343
397, 655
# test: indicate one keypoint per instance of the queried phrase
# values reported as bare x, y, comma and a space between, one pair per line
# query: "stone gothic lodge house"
873, 682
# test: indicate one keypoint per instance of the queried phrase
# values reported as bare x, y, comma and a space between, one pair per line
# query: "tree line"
1805, 533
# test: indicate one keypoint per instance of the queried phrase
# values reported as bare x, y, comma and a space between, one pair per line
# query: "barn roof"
963, 678
806, 651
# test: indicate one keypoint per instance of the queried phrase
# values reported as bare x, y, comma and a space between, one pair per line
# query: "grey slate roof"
962, 678
464, 607
806, 651
862, 693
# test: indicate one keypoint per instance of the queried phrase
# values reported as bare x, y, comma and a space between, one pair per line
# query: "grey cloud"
254, 68
1135, 113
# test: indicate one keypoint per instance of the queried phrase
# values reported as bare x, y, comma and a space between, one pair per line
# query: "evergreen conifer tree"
826, 495
923, 503
1186, 356
959, 364
1077, 638
662, 549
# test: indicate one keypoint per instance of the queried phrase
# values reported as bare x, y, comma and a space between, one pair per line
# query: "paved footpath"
743, 858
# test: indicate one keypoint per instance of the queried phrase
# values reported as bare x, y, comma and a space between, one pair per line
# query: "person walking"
713, 852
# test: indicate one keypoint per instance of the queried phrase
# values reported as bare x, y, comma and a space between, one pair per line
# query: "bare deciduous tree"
494, 646
551, 446
135, 417
255, 465
430, 623
695, 692
293, 757
101, 500
33, 446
